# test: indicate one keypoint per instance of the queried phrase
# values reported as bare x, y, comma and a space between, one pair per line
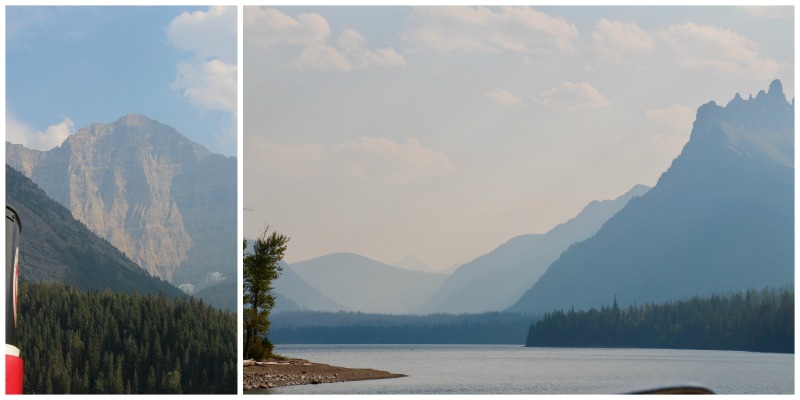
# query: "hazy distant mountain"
720, 219
54, 247
413, 263
284, 304
496, 280
300, 294
219, 295
166, 202
362, 284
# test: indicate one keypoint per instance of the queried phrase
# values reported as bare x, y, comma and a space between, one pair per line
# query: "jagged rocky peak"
760, 116
147, 189
134, 120
139, 130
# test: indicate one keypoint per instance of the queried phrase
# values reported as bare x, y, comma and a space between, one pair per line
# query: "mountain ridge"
162, 199
363, 284
495, 280
54, 247
721, 218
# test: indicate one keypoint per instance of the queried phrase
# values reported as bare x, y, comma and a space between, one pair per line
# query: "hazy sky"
444, 132
68, 67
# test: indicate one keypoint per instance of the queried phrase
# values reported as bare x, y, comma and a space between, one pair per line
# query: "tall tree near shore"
261, 268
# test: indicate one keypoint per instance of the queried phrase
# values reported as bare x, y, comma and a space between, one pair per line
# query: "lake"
504, 369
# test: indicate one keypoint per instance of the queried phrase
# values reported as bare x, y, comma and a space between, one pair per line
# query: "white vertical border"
240, 193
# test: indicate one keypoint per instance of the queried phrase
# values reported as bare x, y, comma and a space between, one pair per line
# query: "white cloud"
481, 30
366, 159
312, 34
353, 44
208, 79
719, 50
572, 97
209, 34
20, 133
503, 97
615, 40
270, 26
210, 84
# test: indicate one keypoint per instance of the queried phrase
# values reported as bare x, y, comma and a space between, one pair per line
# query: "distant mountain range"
54, 247
413, 263
297, 294
496, 280
351, 282
720, 219
361, 284
166, 202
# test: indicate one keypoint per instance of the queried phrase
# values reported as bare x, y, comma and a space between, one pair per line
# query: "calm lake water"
502, 369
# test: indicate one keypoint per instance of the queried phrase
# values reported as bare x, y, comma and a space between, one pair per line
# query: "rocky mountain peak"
134, 120
165, 201
759, 127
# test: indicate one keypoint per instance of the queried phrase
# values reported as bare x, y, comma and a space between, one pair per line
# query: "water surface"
503, 369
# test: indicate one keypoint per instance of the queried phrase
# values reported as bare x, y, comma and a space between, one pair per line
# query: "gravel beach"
294, 371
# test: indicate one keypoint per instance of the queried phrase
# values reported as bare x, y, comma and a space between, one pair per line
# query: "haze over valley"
719, 219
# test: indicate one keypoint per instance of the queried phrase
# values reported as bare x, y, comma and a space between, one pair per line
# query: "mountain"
166, 202
720, 219
298, 294
412, 263
292, 293
496, 280
56, 248
366, 285
219, 295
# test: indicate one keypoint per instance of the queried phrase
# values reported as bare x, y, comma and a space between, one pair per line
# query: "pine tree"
261, 268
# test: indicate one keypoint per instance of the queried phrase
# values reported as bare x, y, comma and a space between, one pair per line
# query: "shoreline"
272, 373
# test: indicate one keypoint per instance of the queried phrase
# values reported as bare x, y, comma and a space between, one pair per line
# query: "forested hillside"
55, 247
103, 342
752, 321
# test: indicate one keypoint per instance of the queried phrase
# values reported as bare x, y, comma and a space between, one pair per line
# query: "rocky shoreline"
273, 373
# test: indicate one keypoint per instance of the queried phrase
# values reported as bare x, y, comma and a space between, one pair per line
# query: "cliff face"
166, 202
54, 247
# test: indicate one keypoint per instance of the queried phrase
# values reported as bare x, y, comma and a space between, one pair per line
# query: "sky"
69, 67
444, 132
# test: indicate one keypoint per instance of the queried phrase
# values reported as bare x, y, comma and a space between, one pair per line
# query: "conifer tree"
261, 268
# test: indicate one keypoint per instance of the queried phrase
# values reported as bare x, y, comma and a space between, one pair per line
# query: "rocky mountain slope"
54, 247
720, 219
166, 202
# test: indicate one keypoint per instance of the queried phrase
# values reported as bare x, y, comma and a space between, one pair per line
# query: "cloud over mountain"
20, 133
571, 96
312, 34
482, 30
208, 79
702, 47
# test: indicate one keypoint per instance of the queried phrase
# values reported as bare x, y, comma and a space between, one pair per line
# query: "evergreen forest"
363, 328
104, 342
754, 320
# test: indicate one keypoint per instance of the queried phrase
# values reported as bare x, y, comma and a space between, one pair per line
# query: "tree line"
115, 343
342, 327
753, 320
